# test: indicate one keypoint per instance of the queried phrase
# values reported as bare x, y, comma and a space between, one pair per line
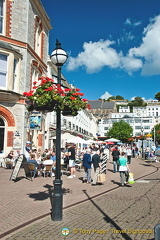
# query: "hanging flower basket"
69, 112
48, 96
46, 108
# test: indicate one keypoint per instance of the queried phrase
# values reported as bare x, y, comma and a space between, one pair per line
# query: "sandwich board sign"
21, 160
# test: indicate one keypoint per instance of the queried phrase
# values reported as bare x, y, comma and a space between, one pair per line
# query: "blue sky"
113, 45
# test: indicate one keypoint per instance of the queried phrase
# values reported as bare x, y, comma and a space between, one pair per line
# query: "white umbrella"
76, 140
112, 140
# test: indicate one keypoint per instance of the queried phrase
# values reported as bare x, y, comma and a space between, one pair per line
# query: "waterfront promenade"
105, 211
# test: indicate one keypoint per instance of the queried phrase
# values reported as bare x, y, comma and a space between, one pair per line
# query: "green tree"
111, 98
137, 102
118, 97
156, 131
120, 130
157, 96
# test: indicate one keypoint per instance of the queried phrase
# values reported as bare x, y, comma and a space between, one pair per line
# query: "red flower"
34, 83
30, 93
75, 94
48, 89
25, 93
73, 98
84, 100
43, 81
34, 87
77, 89
67, 90
88, 106
81, 94
63, 94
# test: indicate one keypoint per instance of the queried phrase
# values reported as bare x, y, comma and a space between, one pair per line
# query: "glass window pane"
1, 15
3, 70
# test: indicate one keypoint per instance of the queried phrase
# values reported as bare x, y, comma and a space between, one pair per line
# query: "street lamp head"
58, 56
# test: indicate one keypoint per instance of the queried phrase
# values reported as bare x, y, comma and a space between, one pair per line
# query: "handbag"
131, 178
101, 177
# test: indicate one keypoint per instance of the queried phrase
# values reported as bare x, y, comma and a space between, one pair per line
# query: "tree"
118, 97
157, 96
120, 130
111, 98
156, 131
137, 102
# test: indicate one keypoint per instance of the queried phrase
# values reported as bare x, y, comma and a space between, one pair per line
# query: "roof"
100, 104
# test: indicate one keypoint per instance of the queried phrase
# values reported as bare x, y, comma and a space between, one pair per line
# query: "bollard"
157, 232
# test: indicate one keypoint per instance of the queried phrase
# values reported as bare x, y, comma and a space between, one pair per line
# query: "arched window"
2, 134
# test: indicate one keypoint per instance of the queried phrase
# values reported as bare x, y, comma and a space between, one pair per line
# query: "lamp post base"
57, 201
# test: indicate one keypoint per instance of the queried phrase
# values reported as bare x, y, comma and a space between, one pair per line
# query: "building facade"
24, 30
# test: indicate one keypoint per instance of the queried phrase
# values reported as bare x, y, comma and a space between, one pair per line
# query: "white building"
83, 125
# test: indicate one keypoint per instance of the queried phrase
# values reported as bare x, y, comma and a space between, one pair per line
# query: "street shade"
58, 58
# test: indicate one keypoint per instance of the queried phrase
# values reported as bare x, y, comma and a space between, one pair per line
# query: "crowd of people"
90, 158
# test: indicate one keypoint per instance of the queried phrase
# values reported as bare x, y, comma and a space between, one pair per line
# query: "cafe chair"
47, 169
31, 169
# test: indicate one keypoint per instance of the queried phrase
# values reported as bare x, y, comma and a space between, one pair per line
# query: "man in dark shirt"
115, 154
97, 166
72, 158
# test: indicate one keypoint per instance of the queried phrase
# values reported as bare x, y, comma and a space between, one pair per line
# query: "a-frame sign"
20, 161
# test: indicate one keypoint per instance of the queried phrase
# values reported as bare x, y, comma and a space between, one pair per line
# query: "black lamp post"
58, 57
142, 130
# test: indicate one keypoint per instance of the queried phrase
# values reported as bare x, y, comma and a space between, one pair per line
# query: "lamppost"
58, 58
142, 130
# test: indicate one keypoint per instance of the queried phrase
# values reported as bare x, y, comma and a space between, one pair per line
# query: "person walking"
87, 166
115, 154
72, 158
129, 154
123, 169
96, 165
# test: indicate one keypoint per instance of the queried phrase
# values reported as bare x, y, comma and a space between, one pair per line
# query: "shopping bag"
101, 177
131, 178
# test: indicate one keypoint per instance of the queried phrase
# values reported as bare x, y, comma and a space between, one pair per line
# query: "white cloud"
95, 56
149, 50
106, 95
132, 22
146, 57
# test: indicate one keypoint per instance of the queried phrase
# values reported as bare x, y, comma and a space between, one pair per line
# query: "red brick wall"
10, 139
8, 116
40, 140
8, 17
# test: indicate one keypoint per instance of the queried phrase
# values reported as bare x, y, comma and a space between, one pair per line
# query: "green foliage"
137, 102
156, 131
118, 97
120, 130
157, 96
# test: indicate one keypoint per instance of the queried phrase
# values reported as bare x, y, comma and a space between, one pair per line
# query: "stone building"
102, 109
24, 29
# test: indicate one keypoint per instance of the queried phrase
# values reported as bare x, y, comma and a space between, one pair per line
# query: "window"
3, 71
2, 134
1, 16
35, 74
38, 36
15, 74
